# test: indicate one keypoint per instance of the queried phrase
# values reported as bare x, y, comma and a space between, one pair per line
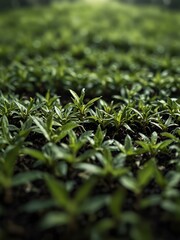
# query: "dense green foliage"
172, 4
8, 4
12, 4
89, 123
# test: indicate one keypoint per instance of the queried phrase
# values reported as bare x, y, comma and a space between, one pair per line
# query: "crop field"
90, 123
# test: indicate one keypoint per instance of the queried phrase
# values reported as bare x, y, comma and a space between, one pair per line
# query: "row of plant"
88, 170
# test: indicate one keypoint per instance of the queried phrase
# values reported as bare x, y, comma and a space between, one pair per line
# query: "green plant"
151, 145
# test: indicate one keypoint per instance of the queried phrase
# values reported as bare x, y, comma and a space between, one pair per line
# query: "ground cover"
89, 123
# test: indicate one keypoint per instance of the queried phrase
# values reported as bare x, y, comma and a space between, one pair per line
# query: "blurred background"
9, 4
100, 47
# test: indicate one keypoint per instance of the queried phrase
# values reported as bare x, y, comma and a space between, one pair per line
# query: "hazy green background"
8, 4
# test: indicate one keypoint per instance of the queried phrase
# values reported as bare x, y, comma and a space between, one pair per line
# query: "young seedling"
109, 166
79, 104
127, 149
69, 209
46, 128
148, 172
151, 145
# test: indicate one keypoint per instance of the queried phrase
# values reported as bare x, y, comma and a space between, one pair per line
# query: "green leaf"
154, 138
93, 204
151, 201
128, 144
11, 155
128, 127
59, 193
65, 130
54, 219
49, 122
87, 154
99, 136
164, 144
90, 168
34, 153
104, 225
69, 126
107, 156
25, 128
85, 190
138, 113
48, 96
40, 125
37, 206
74, 94
144, 145
118, 172
119, 160
5, 181
116, 203
60, 153
146, 139
130, 183
91, 102
30, 105
168, 135
21, 107
146, 173
26, 177
5, 129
